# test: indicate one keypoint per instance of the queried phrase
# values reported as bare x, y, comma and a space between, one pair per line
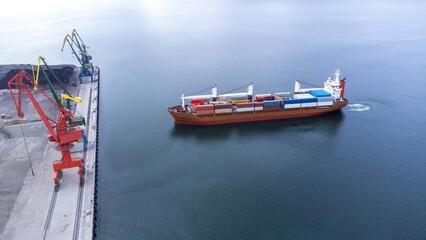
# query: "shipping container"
264, 97
310, 104
258, 104
277, 107
223, 106
245, 105
308, 100
259, 108
321, 104
239, 97
271, 103
226, 110
325, 99
249, 109
284, 94
276, 97
239, 101
293, 105
204, 107
292, 101
302, 95
319, 93
204, 112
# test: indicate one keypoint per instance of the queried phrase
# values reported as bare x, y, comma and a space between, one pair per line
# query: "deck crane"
84, 58
214, 94
64, 131
249, 93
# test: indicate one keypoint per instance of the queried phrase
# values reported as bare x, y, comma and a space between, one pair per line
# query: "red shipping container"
264, 98
245, 105
279, 98
222, 106
205, 107
204, 112
271, 107
258, 104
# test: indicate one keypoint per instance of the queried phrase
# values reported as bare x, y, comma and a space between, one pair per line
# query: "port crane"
83, 57
64, 131
64, 96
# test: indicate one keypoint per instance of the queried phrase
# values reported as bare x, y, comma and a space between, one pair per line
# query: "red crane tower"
63, 132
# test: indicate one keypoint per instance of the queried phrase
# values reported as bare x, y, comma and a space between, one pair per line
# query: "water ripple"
357, 107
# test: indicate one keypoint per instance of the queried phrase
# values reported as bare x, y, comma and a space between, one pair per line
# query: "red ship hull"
188, 118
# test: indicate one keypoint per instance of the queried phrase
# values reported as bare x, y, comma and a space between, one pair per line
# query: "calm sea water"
356, 174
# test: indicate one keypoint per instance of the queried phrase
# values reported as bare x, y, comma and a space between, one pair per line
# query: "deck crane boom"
83, 56
214, 94
249, 92
63, 132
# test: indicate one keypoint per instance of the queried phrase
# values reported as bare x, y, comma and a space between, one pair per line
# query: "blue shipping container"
271, 103
319, 93
291, 101
308, 100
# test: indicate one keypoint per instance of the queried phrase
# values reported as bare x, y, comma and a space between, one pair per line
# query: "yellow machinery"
68, 97
64, 96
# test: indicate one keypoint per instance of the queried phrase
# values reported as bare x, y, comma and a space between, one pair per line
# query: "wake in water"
357, 108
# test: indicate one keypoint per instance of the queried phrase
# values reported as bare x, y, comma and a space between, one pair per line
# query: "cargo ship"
214, 109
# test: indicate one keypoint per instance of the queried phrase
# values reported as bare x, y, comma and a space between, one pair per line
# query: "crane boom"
63, 131
70, 43
78, 40
18, 81
83, 57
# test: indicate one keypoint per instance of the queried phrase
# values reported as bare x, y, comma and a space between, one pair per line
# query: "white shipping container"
296, 105
311, 104
227, 110
258, 108
250, 109
263, 95
287, 94
324, 99
321, 104
302, 95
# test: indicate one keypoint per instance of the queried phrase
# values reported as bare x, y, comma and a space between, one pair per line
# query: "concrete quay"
40, 212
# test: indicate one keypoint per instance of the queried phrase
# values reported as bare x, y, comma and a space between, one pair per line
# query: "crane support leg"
67, 162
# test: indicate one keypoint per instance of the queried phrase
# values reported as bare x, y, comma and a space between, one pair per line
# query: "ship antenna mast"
337, 76
214, 91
